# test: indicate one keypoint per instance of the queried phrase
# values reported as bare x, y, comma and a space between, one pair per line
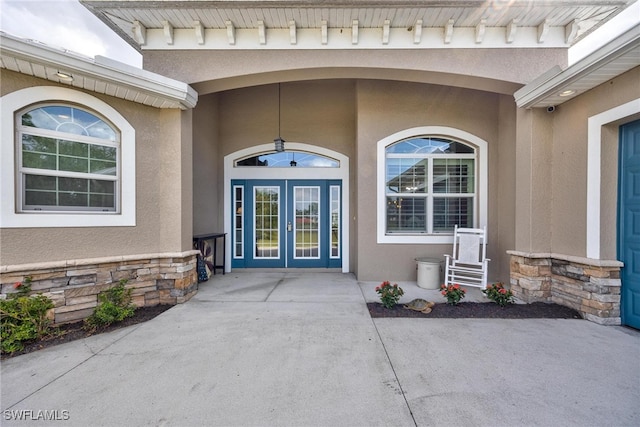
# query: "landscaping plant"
453, 293
114, 305
389, 295
498, 294
23, 317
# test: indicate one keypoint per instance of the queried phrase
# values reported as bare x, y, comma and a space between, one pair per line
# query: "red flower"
17, 285
444, 292
503, 291
456, 286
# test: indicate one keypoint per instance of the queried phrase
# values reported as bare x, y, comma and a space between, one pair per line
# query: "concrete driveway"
299, 349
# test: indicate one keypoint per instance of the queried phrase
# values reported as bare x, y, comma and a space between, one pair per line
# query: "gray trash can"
429, 273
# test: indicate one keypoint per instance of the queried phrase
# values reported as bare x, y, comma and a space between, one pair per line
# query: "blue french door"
286, 223
629, 223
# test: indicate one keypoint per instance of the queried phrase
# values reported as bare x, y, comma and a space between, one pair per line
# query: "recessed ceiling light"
567, 92
64, 76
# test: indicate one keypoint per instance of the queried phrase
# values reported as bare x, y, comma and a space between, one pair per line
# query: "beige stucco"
387, 107
569, 177
537, 160
551, 177
350, 116
494, 70
163, 188
532, 178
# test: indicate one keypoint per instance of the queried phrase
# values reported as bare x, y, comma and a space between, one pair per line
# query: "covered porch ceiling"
353, 24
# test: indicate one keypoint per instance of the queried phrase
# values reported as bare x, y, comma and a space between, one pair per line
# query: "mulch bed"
73, 331
479, 310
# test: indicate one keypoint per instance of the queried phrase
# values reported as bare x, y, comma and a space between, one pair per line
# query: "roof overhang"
99, 74
556, 86
353, 24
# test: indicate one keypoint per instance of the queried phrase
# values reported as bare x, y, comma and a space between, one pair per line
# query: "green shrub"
23, 317
114, 305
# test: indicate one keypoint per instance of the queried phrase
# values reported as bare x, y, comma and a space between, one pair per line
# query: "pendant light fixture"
279, 142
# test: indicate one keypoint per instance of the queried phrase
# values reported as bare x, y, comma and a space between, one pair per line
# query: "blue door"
629, 223
286, 223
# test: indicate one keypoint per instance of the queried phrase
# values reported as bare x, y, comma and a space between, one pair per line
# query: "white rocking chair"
468, 264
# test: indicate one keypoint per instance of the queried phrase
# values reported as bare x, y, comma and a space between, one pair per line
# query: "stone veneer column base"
73, 286
589, 286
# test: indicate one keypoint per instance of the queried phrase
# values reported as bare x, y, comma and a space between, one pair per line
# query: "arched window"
429, 182
67, 160
290, 158
72, 162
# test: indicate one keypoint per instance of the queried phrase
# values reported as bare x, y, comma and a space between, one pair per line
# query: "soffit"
99, 75
548, 22
616, 57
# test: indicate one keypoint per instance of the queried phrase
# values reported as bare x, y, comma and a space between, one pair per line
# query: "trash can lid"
429, 260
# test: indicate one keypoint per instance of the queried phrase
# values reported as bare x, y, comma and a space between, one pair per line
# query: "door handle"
289, 226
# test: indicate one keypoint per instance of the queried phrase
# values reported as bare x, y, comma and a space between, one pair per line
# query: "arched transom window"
68, 160
289, 158
430, 186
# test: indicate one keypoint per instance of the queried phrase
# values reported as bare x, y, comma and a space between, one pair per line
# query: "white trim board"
446, 132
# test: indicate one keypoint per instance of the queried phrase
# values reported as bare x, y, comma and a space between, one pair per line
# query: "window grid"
307, 222
335, 221
429, 190
238, 224
267, 218
68, 161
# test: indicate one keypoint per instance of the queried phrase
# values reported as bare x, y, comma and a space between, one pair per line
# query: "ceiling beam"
354, 32
512, 28
571, 31
417, 32
199, 30
448, 31
543, 30
385, 31
324, 32
262, 33
293, 32
139, 33
168, 31
481, 28
231, 32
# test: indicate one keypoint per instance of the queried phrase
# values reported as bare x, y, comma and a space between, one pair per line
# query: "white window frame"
10, 204
480, 208
23, 171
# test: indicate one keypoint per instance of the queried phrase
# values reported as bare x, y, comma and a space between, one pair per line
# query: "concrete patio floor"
300, 349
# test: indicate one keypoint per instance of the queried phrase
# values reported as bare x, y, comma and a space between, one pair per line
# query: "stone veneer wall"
590, 286
73, 286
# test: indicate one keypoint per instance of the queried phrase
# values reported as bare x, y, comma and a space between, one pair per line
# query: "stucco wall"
207, 181
387, 107
163, 198
569, 177
495, 70
533, 180
350, 116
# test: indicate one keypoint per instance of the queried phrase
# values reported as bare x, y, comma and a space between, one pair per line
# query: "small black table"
214, 236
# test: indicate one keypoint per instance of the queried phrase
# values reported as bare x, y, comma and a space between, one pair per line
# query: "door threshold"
287, 270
